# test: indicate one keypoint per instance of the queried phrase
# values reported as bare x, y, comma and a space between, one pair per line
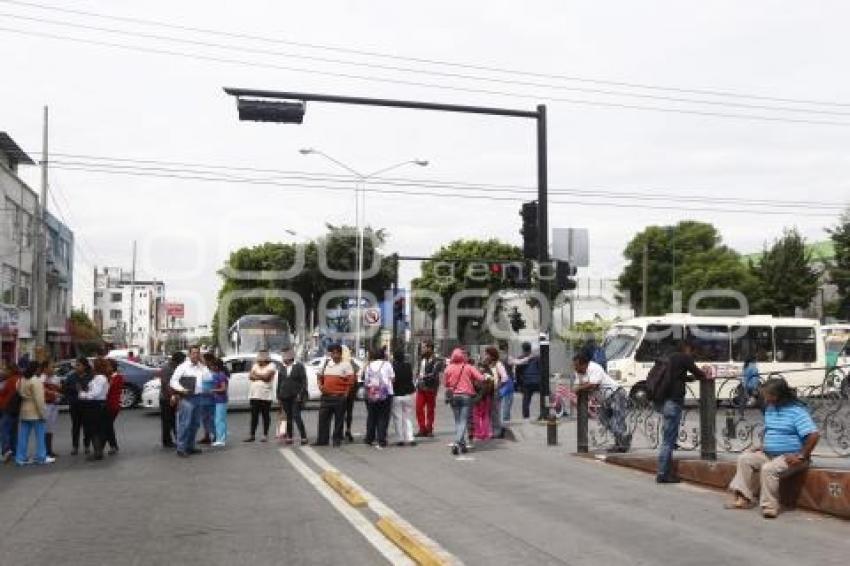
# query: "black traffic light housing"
270, 111
564, 273
529, 230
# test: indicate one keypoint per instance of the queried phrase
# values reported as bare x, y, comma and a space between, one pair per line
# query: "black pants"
377, 420
76, 411
292, 410
167, 422
258, 408
331, 406
95, 425
349, 410
527, 393
109, 437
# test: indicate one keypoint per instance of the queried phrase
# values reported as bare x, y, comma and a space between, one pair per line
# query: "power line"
420, 193
428, 61
195, 168
452, 75
575, 101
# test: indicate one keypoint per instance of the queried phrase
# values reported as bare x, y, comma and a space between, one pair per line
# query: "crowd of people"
30, 395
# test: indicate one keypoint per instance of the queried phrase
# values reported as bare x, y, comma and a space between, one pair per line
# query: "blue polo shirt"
786, 427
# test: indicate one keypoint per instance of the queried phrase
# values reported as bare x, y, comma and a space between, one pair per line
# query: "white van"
790, 346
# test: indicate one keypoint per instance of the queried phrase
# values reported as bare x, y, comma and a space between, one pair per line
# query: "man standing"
336, 380
427, 385
530, 369
681, 368
187, 383
612, 397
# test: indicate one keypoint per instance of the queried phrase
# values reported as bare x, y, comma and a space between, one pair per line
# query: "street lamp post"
360, 221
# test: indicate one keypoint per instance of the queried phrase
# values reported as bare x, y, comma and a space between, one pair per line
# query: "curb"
420, 553
346, 491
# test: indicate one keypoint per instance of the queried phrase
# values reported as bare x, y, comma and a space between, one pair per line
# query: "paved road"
509, 503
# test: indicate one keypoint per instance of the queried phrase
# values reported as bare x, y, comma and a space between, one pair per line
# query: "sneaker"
287, 441
7, 456
182, 454
112, 451
379, 447
249, 439
464, 448
49, 460
348, 437
400, 444
455, 450
218, 444
667, 480
304, 442
264, 439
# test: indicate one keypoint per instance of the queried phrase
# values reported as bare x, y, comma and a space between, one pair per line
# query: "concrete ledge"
420, 553
817, 489
346, 491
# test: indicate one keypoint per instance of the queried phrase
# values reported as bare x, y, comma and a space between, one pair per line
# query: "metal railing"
725, 420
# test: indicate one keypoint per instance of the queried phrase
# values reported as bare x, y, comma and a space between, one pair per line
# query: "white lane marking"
380, 508
390, 551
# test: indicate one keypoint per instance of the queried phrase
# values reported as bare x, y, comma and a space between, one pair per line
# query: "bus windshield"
253, 333
620, 342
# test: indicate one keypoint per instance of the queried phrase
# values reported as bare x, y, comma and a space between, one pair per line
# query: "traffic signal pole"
271, 106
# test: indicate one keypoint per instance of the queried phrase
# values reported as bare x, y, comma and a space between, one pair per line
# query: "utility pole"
645, 281
18, 279
132, 297
41, 250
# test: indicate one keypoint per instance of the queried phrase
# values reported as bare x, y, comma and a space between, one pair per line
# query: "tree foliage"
84, 334
787, 280
688, 257
839, 270
311, 283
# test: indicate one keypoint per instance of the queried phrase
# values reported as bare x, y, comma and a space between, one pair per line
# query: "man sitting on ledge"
790, 436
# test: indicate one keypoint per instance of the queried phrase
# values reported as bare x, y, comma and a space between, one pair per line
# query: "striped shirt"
786, 427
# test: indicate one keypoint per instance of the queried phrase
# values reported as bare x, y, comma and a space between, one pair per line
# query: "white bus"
791, 346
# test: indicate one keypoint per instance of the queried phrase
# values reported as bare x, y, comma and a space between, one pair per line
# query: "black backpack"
658, 381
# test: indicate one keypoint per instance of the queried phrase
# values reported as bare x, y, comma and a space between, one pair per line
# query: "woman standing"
113, 405
378, 379
219, 392
403, 390
77, 379
11, 407
52, 390
483, 409
503, 391
460, 377
207, 400
260, 394
93, 402
33, 418
291, 392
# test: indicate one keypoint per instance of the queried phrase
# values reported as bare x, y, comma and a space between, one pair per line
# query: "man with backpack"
666, 389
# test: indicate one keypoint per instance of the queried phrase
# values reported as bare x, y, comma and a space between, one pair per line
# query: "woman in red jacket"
113, 405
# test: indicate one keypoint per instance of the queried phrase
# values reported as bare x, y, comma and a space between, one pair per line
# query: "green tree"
839, 270
458, 267
786, 276
688, 257
84, 334
311, 283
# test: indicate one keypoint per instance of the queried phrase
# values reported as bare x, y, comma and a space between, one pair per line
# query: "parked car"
135, 377
239, 367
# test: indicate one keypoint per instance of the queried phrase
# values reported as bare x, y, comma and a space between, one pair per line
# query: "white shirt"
188, 369
259, 389
98, 388
379, 372
598, 376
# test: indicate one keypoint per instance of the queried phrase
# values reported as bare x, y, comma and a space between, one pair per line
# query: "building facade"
120, 302
19, 229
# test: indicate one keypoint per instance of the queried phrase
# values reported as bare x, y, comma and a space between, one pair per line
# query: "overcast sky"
112, 102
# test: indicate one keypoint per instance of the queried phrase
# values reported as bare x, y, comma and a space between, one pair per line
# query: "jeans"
378, 420
260, 407
330, 407
426, 406
208, 415
24, 430
461, 407
671, 414
188, 422
220, 422
506, 403
527, 393
403, 417
292, 409
612, 416
9, 430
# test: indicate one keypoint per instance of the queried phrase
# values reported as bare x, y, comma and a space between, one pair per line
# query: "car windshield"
620, 342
